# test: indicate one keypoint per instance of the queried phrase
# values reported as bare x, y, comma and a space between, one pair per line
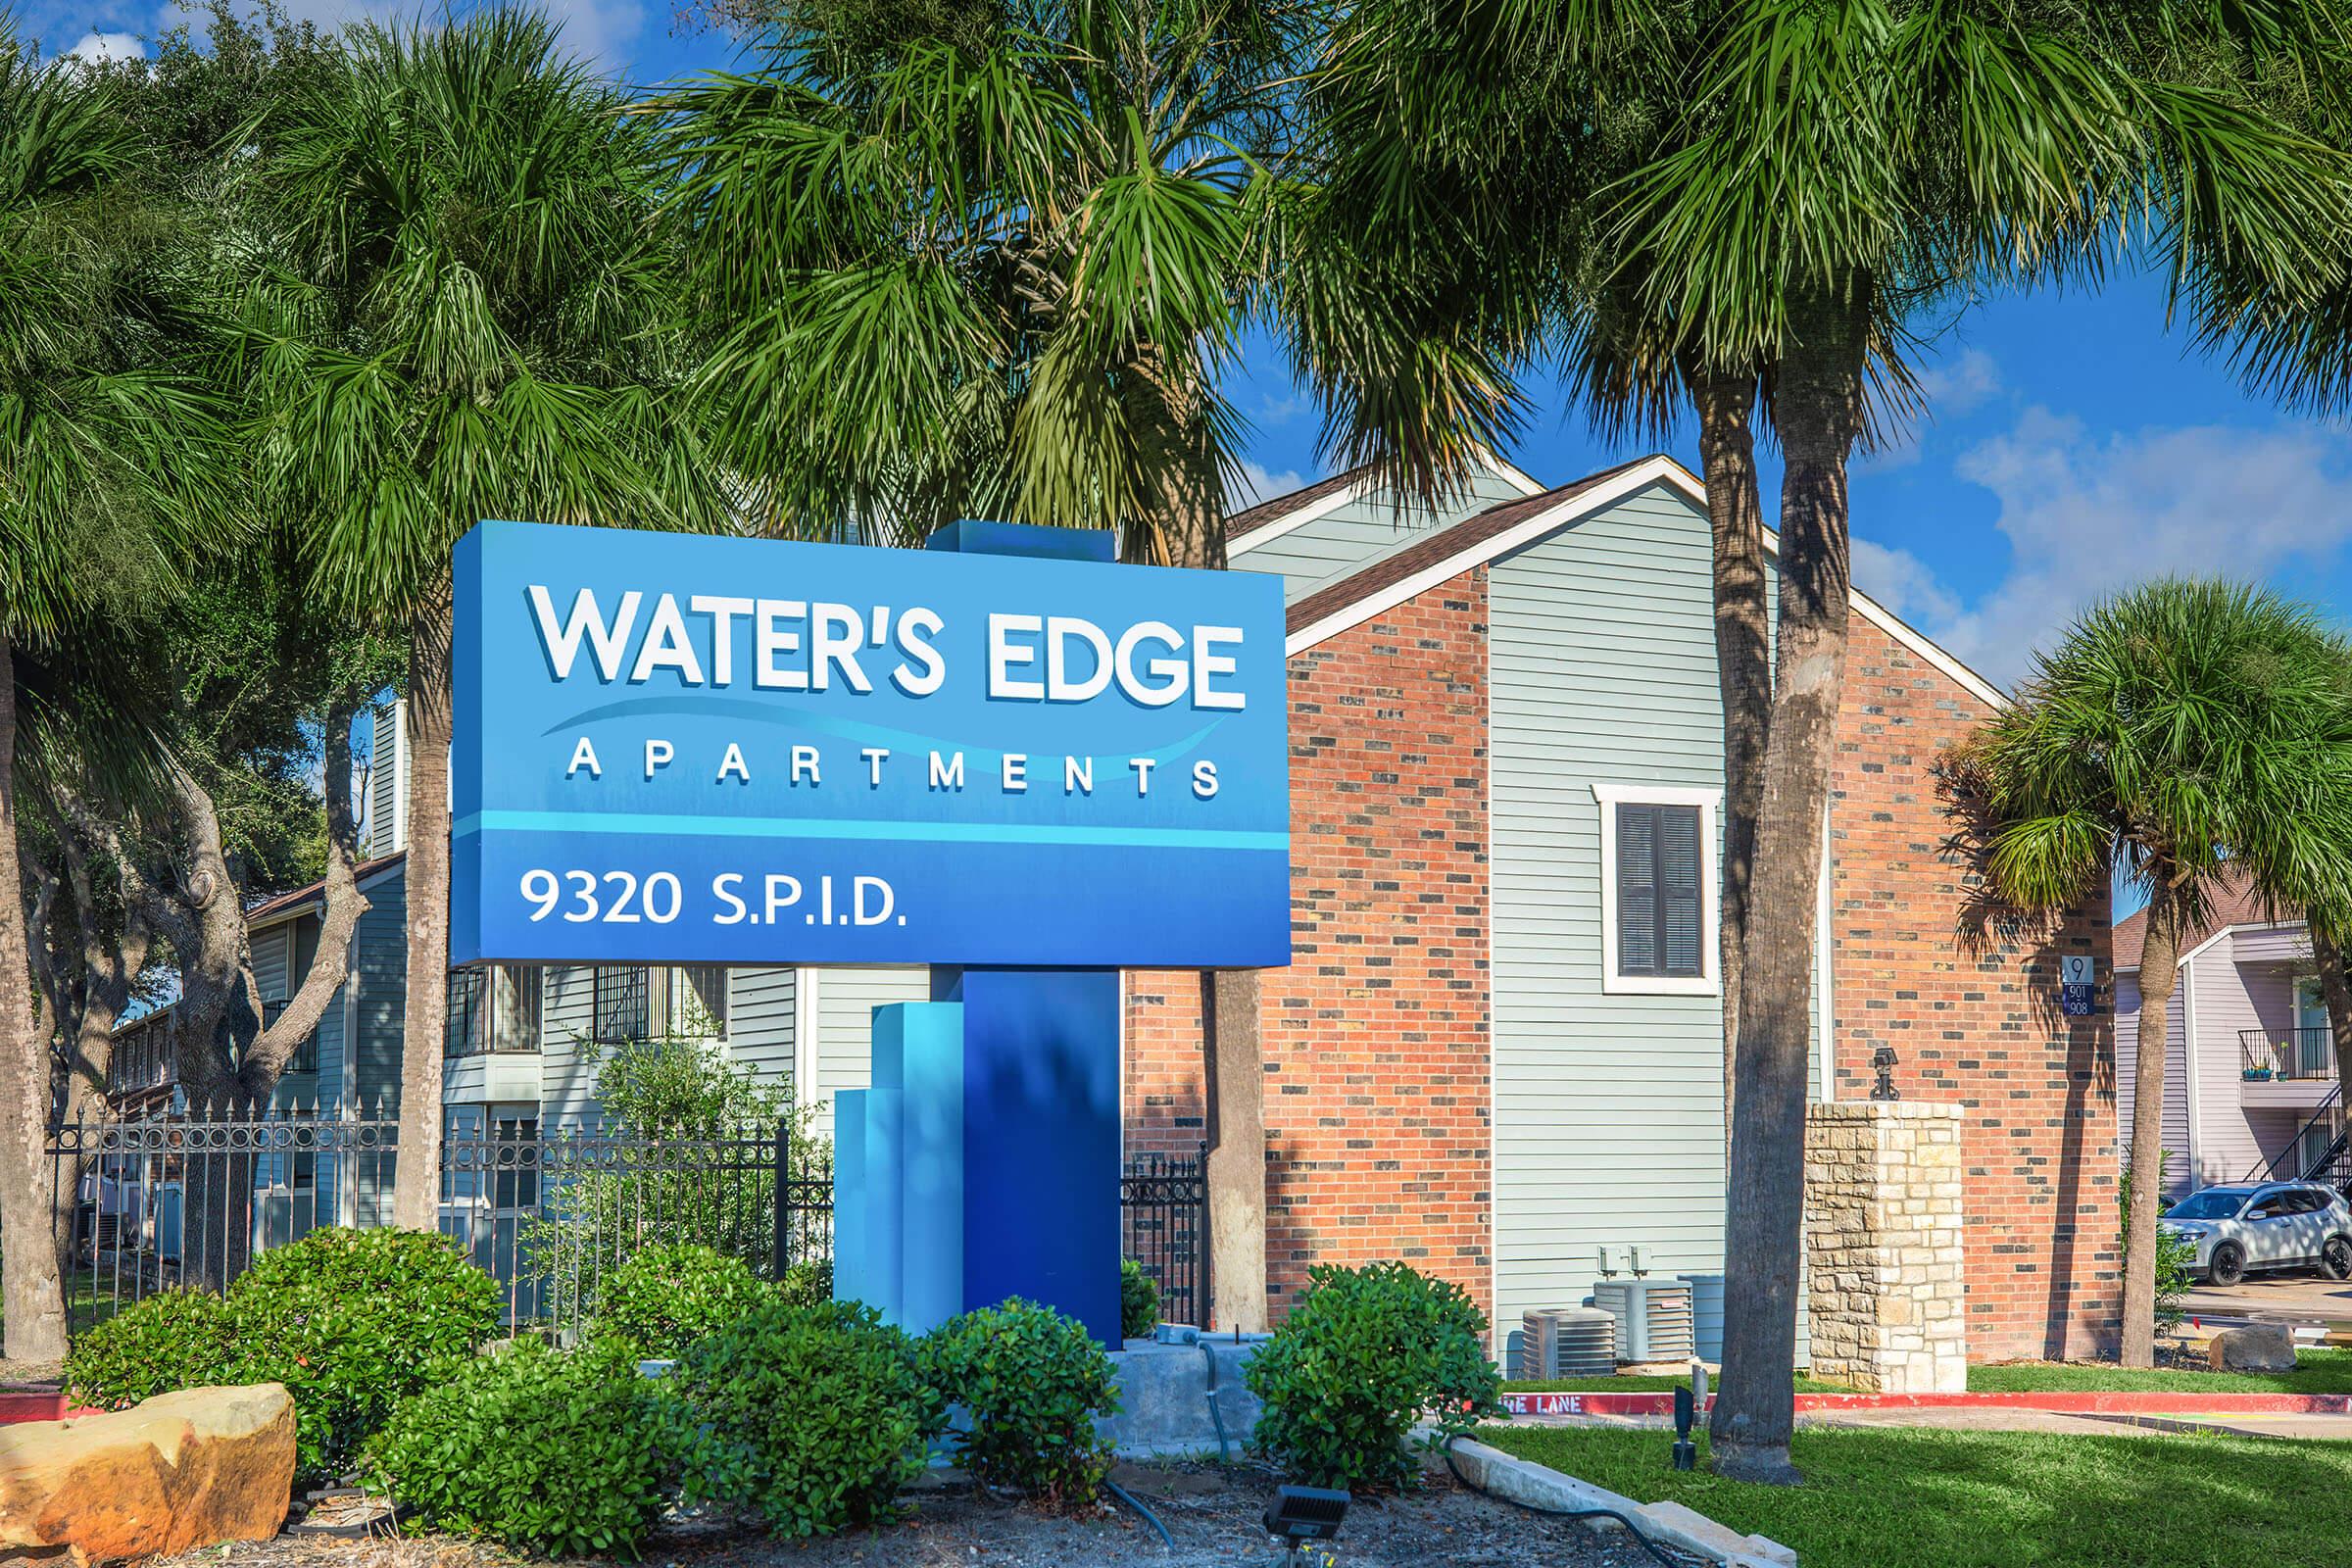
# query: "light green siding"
1609, 1107
1362, 532
761, 1004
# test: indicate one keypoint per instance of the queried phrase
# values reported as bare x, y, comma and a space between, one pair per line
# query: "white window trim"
1708, 981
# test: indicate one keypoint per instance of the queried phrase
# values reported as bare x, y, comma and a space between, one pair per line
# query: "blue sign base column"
984, 1161
1041, 1137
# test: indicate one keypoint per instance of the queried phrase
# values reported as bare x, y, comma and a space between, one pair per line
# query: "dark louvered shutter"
1636, 890
1660, 900
1679, 892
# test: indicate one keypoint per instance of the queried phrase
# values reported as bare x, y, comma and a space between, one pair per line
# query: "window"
1658, 891
494, 1008
624, 1008
634, 1002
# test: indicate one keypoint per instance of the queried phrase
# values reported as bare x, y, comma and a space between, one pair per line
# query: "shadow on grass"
1887, 1498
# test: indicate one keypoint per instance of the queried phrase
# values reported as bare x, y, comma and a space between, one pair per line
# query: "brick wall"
1972, 1010
1376, 1043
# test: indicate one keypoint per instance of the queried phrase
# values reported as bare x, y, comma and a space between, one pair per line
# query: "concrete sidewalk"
2286, 1298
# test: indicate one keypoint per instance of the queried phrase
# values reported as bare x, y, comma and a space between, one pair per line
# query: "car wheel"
2336, 1258
2228, 1264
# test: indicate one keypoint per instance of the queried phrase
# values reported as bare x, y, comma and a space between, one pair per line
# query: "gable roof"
270, 910
1447, 552
2234, 903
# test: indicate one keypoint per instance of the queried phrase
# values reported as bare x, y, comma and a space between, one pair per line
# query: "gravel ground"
1211, 1511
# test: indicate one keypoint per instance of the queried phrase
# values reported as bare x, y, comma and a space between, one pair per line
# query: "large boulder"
2257, 1347
181, 1470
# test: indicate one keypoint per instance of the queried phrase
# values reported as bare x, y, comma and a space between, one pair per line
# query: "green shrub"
815, 1415
808, 1284
1139, 1300
1365, 1354
1030, 1381
665, 1297
172, 1339
544, 1452
350, 1321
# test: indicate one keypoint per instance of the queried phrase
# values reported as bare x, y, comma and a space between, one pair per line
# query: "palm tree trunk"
2336, 995
1726, 402
1187, 528
1817, 412
31, 1292
2158, 958
416, 1170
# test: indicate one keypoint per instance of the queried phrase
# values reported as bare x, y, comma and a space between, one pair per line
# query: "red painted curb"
31, 1404
2060, 1403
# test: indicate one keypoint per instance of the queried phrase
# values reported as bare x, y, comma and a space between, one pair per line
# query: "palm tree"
2183, 735
1760, 194
1848, 154
105, 453
994, 271
461, 312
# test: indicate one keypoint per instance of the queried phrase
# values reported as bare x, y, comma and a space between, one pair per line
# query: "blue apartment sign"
674, 747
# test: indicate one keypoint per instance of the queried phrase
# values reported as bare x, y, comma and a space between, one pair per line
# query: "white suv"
2273, 1225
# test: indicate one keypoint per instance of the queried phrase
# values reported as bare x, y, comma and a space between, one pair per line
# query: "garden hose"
1632, 1527
1132, 1501
1224, 1445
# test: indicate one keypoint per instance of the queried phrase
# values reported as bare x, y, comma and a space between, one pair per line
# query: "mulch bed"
1211, 1511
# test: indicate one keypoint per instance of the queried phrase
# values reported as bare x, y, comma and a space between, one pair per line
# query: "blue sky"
2072, 446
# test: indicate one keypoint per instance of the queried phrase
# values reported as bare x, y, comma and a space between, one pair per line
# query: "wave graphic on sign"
752, 712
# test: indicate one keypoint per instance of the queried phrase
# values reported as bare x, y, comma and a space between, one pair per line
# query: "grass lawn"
2317, 1371
2001, 1499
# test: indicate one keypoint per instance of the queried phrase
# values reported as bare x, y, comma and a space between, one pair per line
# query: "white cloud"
2090, 515
1956, 386
1961, 385
1255, 484
96, 46
1902, 582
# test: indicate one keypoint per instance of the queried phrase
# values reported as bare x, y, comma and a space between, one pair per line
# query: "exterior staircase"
2333, 1165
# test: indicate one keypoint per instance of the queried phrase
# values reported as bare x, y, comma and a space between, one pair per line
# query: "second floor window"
1657, 889
493, 1008
641, 1002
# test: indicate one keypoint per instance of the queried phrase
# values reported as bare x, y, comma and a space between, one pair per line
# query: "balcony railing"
2286, 1053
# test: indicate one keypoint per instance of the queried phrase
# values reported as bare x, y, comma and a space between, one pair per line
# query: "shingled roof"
1437, 545
2235, 903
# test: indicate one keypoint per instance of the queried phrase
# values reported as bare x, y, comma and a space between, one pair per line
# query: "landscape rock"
182, 1470
2260, 1347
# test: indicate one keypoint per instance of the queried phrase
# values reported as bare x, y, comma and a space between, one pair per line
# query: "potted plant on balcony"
2260, 1073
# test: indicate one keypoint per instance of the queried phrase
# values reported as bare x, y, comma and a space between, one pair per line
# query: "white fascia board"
1447, 568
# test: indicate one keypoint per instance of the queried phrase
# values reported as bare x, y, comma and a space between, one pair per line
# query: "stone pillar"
1883, 1223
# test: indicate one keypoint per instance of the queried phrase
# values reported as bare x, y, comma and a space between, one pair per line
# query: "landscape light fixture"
1300, 1514
1686, 1412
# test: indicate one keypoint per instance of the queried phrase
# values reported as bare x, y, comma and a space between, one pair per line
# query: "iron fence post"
1203, 1304
783, 1258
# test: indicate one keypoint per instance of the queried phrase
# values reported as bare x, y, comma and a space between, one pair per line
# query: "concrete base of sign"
1183, 1398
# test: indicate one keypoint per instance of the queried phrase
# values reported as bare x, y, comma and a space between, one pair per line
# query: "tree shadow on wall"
2008, 945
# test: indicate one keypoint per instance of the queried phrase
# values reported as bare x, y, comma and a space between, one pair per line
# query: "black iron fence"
149, 1202
1163, 1225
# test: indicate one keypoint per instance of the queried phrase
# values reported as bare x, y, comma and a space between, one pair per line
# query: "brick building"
1496, 1051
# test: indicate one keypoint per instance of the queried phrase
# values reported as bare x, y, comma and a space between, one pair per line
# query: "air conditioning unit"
1568, 1342
1653, 1319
